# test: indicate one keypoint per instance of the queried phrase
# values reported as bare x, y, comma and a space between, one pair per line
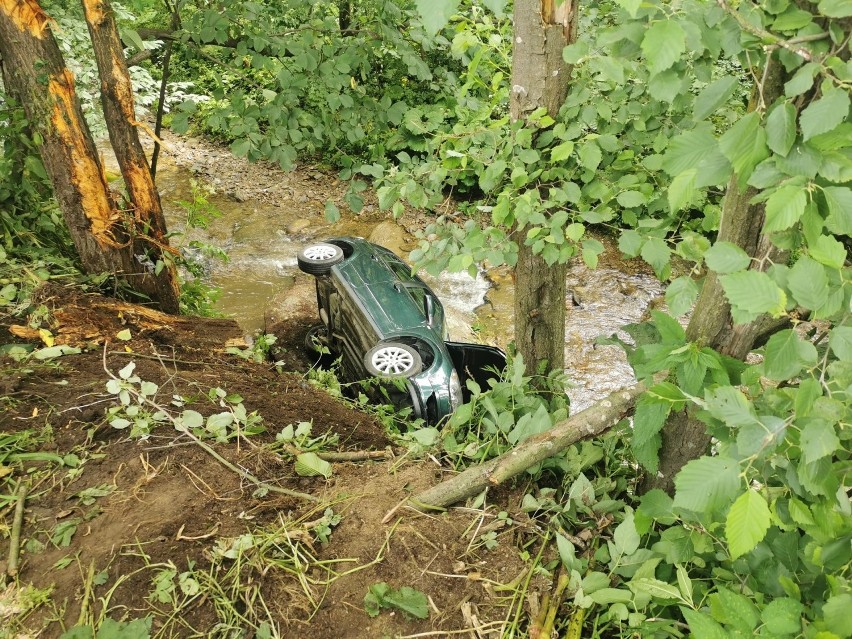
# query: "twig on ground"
15, 539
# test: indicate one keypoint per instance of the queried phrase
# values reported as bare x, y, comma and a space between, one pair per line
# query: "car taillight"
455, 390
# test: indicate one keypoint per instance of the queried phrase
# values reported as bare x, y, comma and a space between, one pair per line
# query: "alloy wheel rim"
393, 360
319, 252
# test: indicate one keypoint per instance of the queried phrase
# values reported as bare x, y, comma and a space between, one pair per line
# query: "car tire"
393, 359
317, 259
316, 338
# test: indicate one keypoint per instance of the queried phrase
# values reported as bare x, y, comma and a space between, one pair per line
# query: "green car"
382, 321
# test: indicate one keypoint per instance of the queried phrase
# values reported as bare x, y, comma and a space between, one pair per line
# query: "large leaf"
747, 523
687, 150
839, 201
701, 626
781, 128
783, 616
663, 45
682, 190
808, 283
752, 293
310, 465
828, 251
824, 114
786, 353
726, 257
744, 144
835, 8
730, 406
681, 295
818, 440
785, 207
840, 342
713, 96
435, 14
707, 484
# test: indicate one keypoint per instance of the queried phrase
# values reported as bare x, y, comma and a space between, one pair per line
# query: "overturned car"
384, 322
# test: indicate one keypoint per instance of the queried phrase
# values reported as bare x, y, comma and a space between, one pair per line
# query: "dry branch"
591, 422
17, 524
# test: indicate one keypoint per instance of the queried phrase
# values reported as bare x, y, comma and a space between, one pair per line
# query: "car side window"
401, 270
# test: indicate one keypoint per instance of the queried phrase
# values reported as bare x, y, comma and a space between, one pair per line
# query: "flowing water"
262, 242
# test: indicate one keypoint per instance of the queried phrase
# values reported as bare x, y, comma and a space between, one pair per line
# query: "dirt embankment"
159, 527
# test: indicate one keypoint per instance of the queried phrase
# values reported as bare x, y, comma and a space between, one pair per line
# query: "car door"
477, 362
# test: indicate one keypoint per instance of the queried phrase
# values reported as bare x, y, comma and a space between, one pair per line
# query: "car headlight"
455, 390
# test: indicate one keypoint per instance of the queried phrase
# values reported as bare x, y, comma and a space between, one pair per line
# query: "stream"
263, 238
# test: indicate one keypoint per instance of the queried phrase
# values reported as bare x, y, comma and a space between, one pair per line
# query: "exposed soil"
166, 503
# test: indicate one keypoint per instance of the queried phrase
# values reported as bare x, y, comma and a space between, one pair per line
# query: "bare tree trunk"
103, 235
540, 79
684, 437
120, 116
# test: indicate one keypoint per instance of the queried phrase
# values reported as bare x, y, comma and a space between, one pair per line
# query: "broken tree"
129, 240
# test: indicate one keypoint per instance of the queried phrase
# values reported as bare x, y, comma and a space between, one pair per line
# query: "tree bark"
591, 422
120, 115
104, 237
684, 437
540, 79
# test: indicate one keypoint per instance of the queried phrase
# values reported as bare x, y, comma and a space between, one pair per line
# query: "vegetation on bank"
680, 114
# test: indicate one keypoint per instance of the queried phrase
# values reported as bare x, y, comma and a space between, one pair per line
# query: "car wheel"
317, 338
317, 259
393, 359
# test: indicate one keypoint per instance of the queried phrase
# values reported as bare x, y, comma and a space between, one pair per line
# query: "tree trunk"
540, 79
103, 235
684, 437
120, 115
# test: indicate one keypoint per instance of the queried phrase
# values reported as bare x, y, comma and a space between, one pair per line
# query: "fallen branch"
15, 539
591, 422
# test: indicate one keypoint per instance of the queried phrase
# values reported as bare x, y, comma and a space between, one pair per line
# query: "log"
591, 422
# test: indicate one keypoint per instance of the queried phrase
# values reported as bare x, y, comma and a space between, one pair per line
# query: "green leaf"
713, 96
497, 7
241, 147
492, 175
828, 251
802, 81
840, 342
808, 283
726, 257
657, 253
590, 155
688, 150
656, 588
702, 626
663, 45
744, 144
562, 151
824, 114
707, 484
835, 8
785, 355
682, 190
436, 14
666, 86
630, 243
310, 465
783, 616
631, 6
839, 201
191, 419
681, 295
410, 601
135, 629
332, 213
625, 538
784, 208
751, 294
631, 199
836, 614
648, 419
747, 523
729, 405
781, 128
733, 609
818, 440
134, 38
